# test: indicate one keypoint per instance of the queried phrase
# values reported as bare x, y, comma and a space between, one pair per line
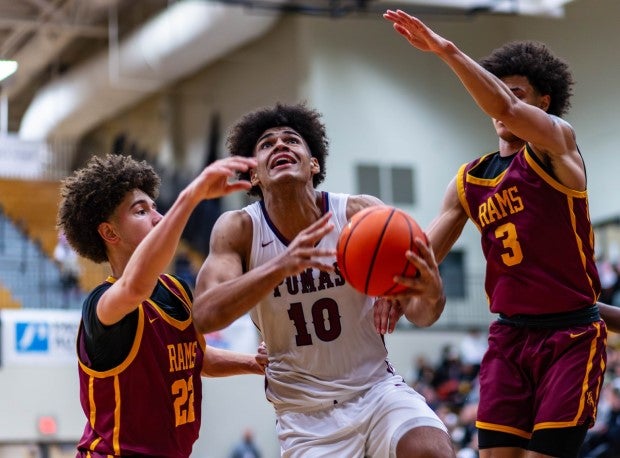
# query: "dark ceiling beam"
341, 8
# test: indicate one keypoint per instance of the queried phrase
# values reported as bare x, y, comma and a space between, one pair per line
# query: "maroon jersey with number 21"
149, 405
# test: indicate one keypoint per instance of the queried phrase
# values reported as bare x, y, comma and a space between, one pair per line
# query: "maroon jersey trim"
460, 189
585, 398
175, 287
550, 180
503, 429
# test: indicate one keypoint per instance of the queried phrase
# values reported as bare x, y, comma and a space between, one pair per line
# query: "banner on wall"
22, 158
36, 337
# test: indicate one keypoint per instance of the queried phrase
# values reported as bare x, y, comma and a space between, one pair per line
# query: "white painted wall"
27, 393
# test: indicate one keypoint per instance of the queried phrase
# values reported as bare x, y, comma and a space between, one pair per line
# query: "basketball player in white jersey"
334, 391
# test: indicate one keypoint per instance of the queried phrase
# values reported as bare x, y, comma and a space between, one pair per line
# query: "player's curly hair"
92, 193
305, 121
547, 73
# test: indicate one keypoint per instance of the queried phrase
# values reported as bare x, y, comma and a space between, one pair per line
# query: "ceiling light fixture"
7, 68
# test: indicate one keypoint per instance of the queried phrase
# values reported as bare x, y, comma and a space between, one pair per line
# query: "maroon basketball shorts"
533, 379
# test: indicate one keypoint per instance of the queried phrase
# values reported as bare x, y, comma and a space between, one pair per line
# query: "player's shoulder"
560, 121
358, 202
233, 223
564, 126
233, 216
231, 234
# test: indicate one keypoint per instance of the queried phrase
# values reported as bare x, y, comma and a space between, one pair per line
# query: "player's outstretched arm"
446, 228
157, 250
528, 122
488, 91
219, 362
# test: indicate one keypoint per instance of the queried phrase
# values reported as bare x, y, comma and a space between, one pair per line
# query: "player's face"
134, 218
524, 91
282, 156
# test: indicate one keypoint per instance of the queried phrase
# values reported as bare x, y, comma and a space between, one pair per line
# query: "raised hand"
424, 300
302, 253
415, 31
386, 313
219, 177
427, 281
262, 357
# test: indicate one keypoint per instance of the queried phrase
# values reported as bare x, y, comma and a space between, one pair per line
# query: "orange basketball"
371, 249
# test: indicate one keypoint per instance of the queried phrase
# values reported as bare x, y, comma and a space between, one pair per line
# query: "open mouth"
282, 160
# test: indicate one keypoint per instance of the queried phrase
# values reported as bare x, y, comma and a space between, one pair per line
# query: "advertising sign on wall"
35, 336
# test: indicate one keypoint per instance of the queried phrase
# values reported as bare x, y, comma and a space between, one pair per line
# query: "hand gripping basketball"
371, 249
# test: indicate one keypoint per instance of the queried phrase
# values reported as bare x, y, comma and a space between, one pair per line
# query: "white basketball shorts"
368, 425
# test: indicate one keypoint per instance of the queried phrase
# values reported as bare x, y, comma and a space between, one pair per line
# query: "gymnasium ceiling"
56, 44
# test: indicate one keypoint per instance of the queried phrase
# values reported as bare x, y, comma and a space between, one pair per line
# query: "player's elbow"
200, 326
204, 321
205, 326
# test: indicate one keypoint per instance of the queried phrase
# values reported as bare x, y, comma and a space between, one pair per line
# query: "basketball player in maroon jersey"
541, 376
140, 357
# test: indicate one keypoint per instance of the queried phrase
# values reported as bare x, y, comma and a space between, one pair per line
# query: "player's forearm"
157, 250
611, 316
218, 306
488, 91
424, 311
222, 363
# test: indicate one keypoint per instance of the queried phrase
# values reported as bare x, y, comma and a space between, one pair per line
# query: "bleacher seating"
28, 275
32, 205
7, 301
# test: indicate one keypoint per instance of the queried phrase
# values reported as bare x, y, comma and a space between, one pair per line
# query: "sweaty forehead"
136, 197
274, 131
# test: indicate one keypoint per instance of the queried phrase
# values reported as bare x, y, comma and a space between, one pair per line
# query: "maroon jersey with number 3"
150, 404
536, 237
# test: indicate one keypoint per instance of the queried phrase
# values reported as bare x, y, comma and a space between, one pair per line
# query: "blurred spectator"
184, 269
471, 449
448, 376
246, 448
613, 356
471, 350
466, 436
603, 439
422, 371
67, 260
608, 275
